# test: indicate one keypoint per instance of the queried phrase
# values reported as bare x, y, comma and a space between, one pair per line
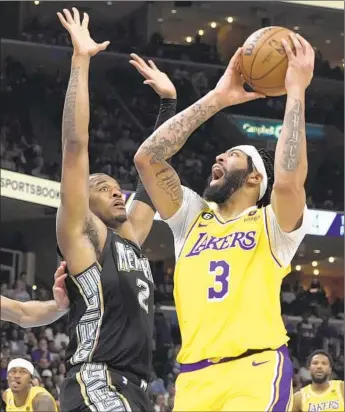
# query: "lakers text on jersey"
332, 400
227, 287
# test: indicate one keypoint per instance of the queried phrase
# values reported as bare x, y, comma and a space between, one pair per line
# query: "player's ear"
255, 178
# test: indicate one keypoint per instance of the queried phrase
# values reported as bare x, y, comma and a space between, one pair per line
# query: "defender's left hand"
159, 81
59, 288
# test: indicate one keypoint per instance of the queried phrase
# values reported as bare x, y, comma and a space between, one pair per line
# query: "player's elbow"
289, 184
141, 160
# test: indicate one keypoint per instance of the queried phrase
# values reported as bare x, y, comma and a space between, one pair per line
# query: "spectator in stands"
20, 293
316, 296
306, 334
61, 339
327, 338
42, 352
159, 403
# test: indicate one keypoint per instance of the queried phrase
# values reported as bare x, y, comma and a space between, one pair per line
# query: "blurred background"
191, 42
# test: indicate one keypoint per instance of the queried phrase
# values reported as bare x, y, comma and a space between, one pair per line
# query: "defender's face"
226, 164
106, 201
320, 368
19, 379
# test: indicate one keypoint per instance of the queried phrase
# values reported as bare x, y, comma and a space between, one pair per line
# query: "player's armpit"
43, 403
297, 402
162, 184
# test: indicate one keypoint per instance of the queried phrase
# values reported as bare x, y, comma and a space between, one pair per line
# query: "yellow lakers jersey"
331, 400
227, 288
35, 390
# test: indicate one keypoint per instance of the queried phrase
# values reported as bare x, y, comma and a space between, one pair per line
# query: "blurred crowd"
124, 38
308, 315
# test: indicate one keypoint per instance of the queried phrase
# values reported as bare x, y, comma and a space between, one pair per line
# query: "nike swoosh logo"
259, 363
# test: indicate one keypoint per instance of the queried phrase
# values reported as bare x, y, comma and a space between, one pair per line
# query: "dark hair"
320, 352
269, 166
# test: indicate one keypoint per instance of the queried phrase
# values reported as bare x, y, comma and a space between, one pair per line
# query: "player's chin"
120, 215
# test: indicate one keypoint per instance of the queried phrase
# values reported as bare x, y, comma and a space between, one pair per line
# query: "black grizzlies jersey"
111, 315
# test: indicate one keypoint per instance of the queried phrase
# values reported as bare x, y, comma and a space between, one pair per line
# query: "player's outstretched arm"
142, 211
297, 402
291, 165
74, 208
34, 313
159, 178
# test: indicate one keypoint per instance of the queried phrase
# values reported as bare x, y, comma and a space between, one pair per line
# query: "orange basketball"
264, 61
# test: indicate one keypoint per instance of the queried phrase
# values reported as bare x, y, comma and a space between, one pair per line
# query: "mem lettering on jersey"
324, 406
243, 240
128, 261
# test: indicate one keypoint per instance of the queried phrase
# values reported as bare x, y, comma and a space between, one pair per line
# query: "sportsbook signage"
47, 193
30, 189
267, 129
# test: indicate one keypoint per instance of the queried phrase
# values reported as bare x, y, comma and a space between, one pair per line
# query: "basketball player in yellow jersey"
21, 395
322, 394
233, 247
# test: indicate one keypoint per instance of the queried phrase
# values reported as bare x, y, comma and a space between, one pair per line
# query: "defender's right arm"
74, 209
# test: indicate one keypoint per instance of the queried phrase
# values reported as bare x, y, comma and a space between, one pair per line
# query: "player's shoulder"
42, 396
6, 394
191, 196
297, 400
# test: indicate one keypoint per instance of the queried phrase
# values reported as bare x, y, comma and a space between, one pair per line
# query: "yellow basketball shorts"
259, 382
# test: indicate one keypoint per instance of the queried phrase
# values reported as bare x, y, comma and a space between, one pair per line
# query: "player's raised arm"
74, 208
159, 178
142, 211
291, 165
35, 313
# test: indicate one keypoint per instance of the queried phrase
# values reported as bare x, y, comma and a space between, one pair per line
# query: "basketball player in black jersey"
110, 284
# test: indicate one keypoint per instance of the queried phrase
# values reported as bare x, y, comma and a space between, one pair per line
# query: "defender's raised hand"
83, 44
159, 81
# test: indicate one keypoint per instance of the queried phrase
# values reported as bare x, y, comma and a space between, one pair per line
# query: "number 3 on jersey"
221, 272
144, 294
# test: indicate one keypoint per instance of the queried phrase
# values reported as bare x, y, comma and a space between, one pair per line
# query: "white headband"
21, 363
257, 162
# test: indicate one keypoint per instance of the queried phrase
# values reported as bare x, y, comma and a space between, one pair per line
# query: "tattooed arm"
291, 165
159, 178
74, 208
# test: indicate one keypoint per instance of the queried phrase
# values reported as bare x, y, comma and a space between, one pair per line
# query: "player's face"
320, 369
19, 379
106, 200
228, 174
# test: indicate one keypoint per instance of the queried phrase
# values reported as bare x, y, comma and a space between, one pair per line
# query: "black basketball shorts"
92, 387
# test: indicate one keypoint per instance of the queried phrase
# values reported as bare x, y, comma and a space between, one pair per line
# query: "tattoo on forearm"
295, 127
165, 143
168, 181
68, 118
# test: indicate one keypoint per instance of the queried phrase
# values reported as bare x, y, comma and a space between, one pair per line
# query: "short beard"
116, 221
232, 182
319, 381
